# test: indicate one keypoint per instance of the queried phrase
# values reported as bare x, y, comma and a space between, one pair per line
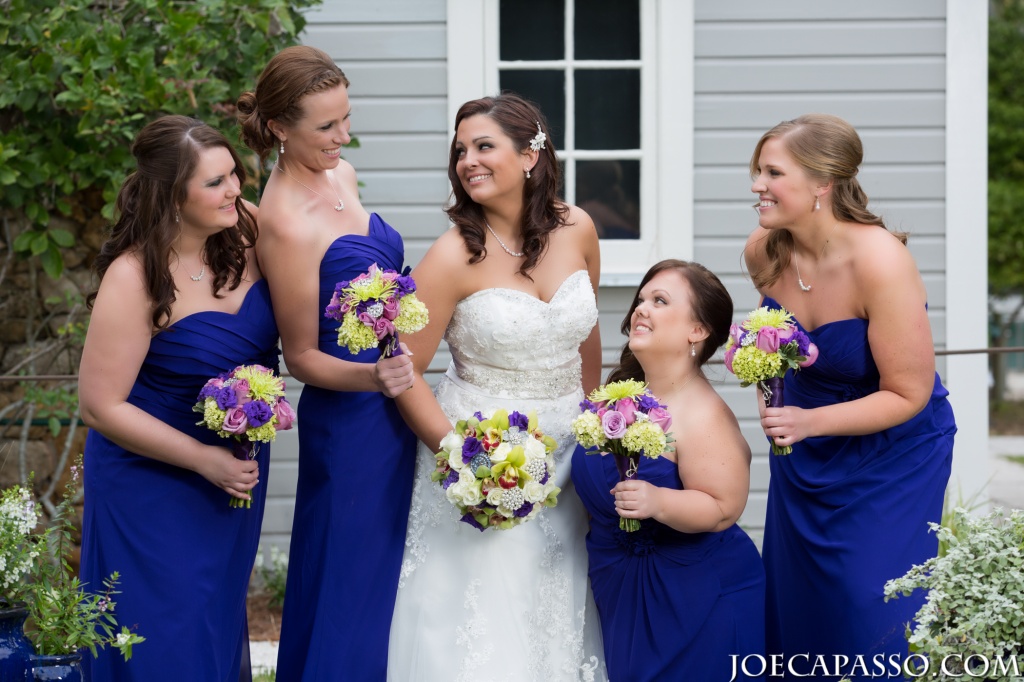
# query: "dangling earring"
177, 217
817, 204
281, 151
693, 350
527, 174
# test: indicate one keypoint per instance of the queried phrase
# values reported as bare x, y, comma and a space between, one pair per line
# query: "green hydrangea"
412, 315
213, 416
751, 364
645, 437
355, 335
263, 434
588, 430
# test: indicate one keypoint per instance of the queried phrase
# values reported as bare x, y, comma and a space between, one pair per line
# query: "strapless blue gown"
356, 459
848, 513
673, 606
184, 555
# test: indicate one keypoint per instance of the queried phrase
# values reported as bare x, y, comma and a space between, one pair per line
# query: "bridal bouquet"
762, 349
373, 308
623, 418
246, 404
497, 470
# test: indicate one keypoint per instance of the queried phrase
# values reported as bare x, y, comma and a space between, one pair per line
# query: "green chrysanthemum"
374, 287
617, 390
213, 416
751, 364
765, 317
646, 437
263, 434
262, 384
355, 335
412, 315
588, 430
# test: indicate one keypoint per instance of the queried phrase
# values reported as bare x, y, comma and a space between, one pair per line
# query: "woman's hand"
785, 425
637, 499
235, 476
394, 375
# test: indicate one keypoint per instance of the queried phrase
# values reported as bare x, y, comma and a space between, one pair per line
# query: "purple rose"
235, 421
627, 408
225, 397
768, 339
729, 355
737, 333
471, 447
614, 424
366, 319
241, 388
258, 412
210, 389
661, 417
392, 308
647, 402
285, 414
383, 328
519, 419
812, 355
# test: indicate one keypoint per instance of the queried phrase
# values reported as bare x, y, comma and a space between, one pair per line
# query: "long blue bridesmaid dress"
847, 513
673, 606
356, 458
183, 553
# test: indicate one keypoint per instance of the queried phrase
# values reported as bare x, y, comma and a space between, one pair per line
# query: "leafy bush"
79, 78
269, 580
974, 593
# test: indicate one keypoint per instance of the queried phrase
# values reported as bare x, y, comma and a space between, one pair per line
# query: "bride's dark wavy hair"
711, 304
543, 210
166, 152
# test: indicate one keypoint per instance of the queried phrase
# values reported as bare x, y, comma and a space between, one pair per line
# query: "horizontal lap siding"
394, 54
879, 64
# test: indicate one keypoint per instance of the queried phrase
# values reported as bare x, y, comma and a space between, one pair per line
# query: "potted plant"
19, 550
64, 618
971, 622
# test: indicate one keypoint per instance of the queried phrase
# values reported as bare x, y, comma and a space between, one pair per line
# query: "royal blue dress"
673, 606
356, 459
848, 513
183, 553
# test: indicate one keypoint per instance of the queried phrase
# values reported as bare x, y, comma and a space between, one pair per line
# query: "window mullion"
570, 103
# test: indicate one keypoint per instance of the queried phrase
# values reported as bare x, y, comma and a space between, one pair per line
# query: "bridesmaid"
180, 301
683, 597
869, 423
356, 455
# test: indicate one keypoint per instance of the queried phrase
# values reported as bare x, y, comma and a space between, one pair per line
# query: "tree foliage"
79, 78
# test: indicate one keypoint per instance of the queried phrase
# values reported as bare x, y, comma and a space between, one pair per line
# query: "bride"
511, 290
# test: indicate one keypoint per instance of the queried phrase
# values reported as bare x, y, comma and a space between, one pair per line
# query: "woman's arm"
590, 245
440, 286
290, 254
115, 347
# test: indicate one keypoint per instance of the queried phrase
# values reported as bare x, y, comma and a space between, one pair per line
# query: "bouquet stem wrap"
773, 392
243, 449
627, 466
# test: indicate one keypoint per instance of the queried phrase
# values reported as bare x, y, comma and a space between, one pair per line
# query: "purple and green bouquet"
497, 470
624, 419
248, 405
373, 308
762, 349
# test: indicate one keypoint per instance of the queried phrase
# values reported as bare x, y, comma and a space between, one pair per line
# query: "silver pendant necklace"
340, 206
799, 279
516, 254
194, 278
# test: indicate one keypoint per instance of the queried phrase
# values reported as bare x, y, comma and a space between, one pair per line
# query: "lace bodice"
518, 346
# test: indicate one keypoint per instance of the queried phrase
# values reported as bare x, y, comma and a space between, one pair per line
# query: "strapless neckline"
554, 296
241, 307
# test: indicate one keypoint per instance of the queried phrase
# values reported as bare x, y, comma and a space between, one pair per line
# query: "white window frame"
666, 127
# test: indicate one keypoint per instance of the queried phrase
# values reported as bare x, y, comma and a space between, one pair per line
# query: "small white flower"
452, 442
494, 496
534, 449
500, 453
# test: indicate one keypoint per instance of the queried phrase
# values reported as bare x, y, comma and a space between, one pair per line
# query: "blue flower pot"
15, 649
63, 668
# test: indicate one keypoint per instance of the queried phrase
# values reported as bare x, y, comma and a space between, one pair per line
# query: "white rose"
467, 477
534, 492
452, 442
464, 494
534, 449
500, 453
494, 496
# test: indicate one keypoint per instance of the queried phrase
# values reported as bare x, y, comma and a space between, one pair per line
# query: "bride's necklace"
799, 279
340, 206
516, 254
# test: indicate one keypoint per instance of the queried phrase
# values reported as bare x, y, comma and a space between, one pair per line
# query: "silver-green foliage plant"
975, 593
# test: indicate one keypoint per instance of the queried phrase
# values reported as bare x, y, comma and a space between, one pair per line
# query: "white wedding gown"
503, 605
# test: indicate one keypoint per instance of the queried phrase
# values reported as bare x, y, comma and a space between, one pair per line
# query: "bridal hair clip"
537, 143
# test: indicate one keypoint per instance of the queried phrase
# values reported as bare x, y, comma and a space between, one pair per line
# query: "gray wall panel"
801, 10
368, 42
822, 38
875, 74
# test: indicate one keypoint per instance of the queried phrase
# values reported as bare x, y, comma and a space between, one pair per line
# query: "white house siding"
880, 64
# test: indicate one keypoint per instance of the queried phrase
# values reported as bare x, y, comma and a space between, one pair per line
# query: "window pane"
546, 89
531, 29
609, 191
608, 109
607, 29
